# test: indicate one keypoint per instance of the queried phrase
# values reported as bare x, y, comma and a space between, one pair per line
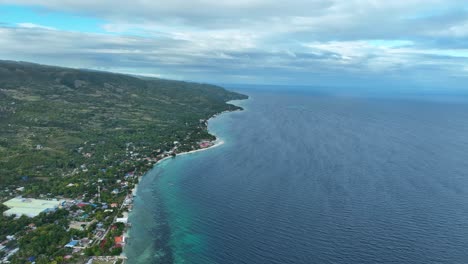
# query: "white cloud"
32, 25
269, 39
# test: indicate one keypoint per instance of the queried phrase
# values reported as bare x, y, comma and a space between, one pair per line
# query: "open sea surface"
314, 178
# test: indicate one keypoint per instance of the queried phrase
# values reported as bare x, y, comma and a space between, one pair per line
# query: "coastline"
214, 143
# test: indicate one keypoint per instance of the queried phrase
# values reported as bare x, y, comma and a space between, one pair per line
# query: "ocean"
309, 177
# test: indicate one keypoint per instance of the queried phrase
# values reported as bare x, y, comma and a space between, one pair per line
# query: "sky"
375, 43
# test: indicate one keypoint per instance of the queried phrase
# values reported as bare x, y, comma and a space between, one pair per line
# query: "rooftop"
29, 207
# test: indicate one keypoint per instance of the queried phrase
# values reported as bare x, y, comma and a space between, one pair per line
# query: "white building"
29, 207
121, 220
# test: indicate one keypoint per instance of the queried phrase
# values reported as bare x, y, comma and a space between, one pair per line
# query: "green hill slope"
55, 120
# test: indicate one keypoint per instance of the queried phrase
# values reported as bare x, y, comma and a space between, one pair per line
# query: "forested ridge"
57, 121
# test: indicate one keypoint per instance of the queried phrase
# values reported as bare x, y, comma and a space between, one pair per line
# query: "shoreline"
216, 143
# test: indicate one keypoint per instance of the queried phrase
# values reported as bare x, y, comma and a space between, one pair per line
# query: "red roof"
118, 240
103, 243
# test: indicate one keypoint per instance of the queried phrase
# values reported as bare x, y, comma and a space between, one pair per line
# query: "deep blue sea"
307, 177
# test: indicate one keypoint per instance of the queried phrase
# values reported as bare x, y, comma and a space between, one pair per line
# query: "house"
127, 201
205, 144
119, 241
103, 243
72, 244
114, 205
82, 204
84, 216
121, 220
85, 241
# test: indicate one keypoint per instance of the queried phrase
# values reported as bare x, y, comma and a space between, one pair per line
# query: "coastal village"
94, 221
74, 144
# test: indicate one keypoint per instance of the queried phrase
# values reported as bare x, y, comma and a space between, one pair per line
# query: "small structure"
119, 241
82, 204
205, 144
85, 241
123, 220
72, 243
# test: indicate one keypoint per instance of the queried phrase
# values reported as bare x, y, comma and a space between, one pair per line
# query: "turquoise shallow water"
314, 178
163, 221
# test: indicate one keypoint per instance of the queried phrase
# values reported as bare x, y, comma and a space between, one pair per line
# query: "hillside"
60, 122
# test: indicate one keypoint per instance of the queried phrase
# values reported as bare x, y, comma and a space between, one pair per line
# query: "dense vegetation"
59, 122
67, 133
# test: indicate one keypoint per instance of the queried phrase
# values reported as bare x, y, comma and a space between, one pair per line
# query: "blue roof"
72, 243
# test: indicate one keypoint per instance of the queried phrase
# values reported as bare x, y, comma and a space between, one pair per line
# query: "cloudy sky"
313, 42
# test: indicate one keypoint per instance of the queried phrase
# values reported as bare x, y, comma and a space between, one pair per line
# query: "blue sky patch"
13, 15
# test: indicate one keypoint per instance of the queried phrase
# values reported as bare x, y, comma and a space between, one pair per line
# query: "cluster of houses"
81, 218
6, 250
82, 212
